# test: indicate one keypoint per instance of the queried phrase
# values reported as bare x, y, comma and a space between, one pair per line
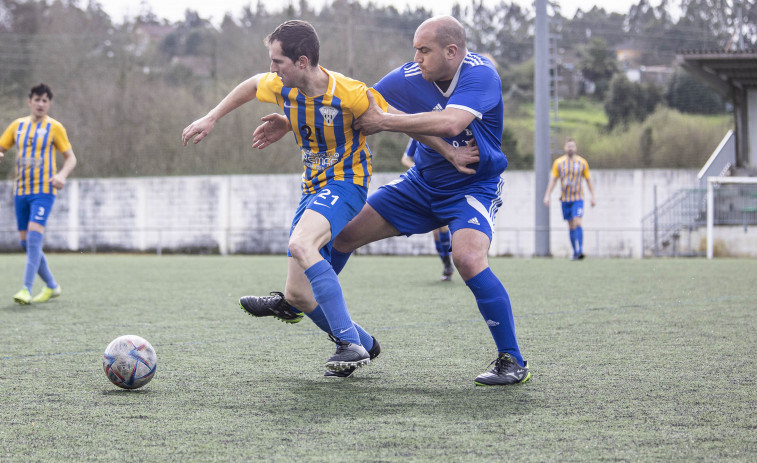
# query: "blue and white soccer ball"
129, 361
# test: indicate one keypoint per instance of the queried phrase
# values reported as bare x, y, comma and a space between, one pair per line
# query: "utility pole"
541, 129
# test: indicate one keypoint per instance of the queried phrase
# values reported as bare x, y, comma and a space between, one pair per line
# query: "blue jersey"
412, 146
476, 88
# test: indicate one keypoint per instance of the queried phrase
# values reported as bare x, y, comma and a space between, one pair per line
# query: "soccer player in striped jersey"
571, 169
38, 138
320, 106
442, 235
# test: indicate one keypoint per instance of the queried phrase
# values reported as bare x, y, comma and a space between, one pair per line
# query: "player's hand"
546, 201
370, 121
58, 181
593, 202
201, 128
463, 156
273, 128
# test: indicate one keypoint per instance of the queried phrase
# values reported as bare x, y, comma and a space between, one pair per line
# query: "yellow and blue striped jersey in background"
571, 172
322, 126
37, 145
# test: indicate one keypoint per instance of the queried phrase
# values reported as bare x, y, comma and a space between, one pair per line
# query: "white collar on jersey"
332, 81
452, 84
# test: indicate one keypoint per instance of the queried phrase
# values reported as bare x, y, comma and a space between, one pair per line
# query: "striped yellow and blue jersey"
322, 126
571, 172
37, 144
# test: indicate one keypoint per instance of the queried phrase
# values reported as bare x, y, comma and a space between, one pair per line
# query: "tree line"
126, 90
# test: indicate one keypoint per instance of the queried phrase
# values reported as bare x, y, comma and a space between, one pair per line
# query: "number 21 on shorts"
326, 197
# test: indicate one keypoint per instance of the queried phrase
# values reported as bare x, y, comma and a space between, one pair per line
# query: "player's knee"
469, 264
298, 249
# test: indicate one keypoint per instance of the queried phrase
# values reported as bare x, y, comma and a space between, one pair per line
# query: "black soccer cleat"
506, 371
373, 353
347, 355
274, 305
448, 269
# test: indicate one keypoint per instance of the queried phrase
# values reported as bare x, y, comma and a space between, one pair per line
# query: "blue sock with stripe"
319, 318
579, 234
339, 260
33, 257
328, 293
494, 304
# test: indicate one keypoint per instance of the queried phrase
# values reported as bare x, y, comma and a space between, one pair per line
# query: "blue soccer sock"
494, 304
319, 318
573, 240
328, 293
33, 257
579, 235
443, 244
44, 270
339, 260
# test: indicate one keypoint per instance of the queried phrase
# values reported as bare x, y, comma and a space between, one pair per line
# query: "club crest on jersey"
41, 132
328, 113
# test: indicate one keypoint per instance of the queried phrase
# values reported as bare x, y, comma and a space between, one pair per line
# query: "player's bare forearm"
59, 179
550, 187
241, 94
446, 123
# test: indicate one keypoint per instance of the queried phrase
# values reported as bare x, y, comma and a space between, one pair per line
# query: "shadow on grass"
378, 398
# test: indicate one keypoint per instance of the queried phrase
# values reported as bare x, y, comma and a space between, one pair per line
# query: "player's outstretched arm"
273, 128
241, 94
446, 123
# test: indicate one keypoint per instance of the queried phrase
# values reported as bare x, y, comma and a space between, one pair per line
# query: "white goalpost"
746, 204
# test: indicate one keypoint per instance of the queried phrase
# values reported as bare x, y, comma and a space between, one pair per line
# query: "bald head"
446, 30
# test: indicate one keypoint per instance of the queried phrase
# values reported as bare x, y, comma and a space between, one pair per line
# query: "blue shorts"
412, 206
572, 209
339, 202
33, 208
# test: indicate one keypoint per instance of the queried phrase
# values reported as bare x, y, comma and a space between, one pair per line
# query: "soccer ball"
129, 361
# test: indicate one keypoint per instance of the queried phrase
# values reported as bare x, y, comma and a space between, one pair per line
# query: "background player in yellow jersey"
38, 138
571, 169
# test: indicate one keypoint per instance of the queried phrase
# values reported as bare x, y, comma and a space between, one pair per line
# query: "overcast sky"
173, 10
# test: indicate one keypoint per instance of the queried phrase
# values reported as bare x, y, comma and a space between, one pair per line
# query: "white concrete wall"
252, 214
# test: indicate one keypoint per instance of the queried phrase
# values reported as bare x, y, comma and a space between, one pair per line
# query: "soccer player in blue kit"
455, 94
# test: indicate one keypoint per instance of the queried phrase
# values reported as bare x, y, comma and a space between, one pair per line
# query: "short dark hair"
40, 90
298, 38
